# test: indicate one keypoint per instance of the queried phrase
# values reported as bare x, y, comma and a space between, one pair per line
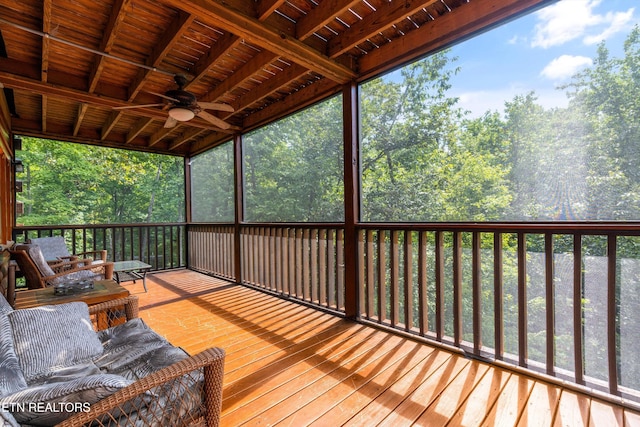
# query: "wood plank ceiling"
69, 66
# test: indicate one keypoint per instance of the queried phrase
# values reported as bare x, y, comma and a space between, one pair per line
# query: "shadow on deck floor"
291, 365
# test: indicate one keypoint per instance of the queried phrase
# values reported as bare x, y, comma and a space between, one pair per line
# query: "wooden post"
187, 209
351, 198
239, 211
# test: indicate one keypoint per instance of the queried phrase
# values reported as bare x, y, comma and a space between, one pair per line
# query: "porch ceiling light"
181, 114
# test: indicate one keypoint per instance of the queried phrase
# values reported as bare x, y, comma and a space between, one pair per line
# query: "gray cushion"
50, 404
7, 420
11, 377
52, 247
5, 308
134, 350
51, 337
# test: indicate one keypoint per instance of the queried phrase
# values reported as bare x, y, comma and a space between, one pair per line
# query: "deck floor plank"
541, 405
349, 397
338, 363
603, 414
418, 388
440, 411
292, 365
481, 399
573, 410
305, 364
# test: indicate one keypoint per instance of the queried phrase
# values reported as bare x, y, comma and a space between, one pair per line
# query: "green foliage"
67, 183
293, 169
420, 160
212, 185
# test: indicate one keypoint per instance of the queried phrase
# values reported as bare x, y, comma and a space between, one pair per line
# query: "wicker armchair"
173, 381
40, 274
207, 367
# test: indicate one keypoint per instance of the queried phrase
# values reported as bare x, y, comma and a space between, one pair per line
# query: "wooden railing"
560, 300
211, 250
300, 261
160, 245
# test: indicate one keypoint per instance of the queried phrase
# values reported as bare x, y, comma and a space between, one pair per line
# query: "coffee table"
131, 270
103, 291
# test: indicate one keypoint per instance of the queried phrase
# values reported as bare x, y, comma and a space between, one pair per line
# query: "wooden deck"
290, 365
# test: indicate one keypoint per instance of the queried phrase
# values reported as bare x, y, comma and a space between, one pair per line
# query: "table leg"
144, 280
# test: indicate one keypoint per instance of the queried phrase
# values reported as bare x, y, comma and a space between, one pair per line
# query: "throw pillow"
51, 337
11, 377
50, 404
38, 259
5, 307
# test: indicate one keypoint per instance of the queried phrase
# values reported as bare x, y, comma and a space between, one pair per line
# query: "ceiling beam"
265, 8
109, 124
44, 62
60, 133
184, 137
46, 41
15, 81
477, 16
170, 38
322, 15
268, 88
262, 59
140, 125
160, 134
82, 110
243, 73
116, 18
386, 16
293, 102
266, 37
227, 43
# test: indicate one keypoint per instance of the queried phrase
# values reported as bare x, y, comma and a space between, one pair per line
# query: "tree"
69, 183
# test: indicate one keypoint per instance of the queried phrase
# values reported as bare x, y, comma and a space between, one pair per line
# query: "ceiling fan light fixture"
181, 114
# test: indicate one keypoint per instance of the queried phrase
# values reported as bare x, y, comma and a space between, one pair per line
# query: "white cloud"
572, 19
618, 20
565, 66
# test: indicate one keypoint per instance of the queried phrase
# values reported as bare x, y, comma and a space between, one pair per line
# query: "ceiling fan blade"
214, 120
162, 95
216, 106
137, 106
171, 122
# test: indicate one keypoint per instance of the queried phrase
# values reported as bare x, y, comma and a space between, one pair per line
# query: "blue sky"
539, 52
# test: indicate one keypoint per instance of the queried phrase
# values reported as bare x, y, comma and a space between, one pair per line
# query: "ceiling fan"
183, 106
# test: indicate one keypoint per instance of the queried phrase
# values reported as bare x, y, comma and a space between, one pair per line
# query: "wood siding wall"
7, 210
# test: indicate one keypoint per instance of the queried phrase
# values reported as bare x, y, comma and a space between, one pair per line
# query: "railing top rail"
81, 226
576, 227
631, 228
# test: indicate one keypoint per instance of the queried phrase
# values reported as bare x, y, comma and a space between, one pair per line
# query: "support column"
239, 206
187, 207
351, 197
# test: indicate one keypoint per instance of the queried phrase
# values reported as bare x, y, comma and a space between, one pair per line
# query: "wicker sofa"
56, 369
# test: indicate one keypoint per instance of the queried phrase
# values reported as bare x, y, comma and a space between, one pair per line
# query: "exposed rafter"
99, 72
266, 37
